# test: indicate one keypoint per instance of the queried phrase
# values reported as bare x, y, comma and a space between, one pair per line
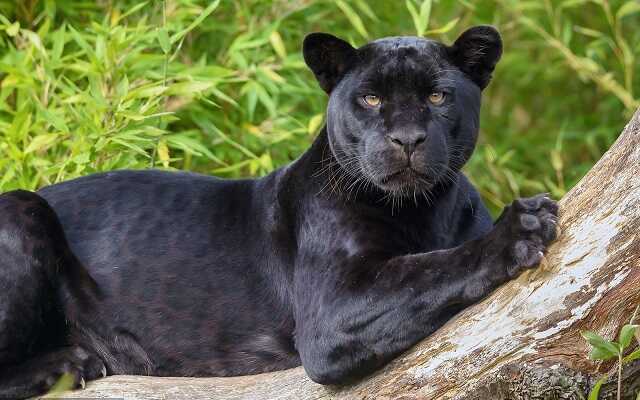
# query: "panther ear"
328, 57
476, 52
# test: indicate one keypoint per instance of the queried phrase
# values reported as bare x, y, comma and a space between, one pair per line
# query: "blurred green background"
220, 87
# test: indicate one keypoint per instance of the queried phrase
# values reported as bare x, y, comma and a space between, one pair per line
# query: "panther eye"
372, 100
436, 98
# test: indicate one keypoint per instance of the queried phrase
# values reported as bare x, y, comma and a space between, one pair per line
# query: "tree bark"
522, 342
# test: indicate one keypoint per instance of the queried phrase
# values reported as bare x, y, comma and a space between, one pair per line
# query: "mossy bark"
522, 342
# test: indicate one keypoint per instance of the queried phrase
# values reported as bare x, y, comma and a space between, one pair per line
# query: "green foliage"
220, 87
603, 350
64, 383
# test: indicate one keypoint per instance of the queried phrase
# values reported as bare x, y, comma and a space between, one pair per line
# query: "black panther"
339, 261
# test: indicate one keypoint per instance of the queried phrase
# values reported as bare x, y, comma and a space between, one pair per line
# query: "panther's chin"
404, 181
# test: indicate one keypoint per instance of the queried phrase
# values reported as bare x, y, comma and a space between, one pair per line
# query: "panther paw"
529, 225
73, 365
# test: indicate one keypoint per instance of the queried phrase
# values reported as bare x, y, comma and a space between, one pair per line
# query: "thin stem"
634, 315
166, 56
620, 376
165, 68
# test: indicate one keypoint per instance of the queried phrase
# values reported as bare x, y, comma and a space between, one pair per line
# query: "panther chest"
352, 233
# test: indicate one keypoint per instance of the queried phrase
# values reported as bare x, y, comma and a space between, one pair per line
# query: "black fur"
367, 243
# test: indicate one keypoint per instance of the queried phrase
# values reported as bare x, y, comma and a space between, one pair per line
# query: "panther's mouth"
404, 177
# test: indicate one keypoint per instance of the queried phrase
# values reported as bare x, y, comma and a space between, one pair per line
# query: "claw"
104, 371
82, 383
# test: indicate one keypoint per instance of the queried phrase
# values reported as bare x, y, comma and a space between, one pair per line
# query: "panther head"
403, 112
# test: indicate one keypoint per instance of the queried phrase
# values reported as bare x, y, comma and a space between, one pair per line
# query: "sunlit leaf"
55, 120
353, 17
314, 124
35, 41
444, 29
278, 44
13, 29
634, 355
163, 40
366, 9
163, 153
628, 8
64, 383
40, 142
148, 91
59, 41
425, 12
603, 349
417, 21
626, 335
189, 88
595, 391
205, 13
573, 3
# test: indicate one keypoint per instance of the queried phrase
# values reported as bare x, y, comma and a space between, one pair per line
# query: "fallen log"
522, 342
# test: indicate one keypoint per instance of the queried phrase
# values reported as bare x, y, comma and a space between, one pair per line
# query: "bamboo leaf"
13, 29
147, 91
191, 145
55, 120
278, 44
132, 10
628, 8
40, 142
189, 88
446, 28
353, 18
163, 40
205, 13
573, 3
314, 124
58, 43
35, 41
77, 37
425, 13
366, 9
163, 153
415, 16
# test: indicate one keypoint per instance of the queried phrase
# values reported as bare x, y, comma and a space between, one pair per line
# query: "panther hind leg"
33, 257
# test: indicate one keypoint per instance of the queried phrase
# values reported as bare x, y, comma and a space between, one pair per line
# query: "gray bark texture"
522, 342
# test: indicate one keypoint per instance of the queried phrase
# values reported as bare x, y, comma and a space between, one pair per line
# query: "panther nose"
408, 141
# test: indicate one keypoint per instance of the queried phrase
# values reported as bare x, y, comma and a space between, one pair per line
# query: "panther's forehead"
402, 59
403, 47
415, 42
